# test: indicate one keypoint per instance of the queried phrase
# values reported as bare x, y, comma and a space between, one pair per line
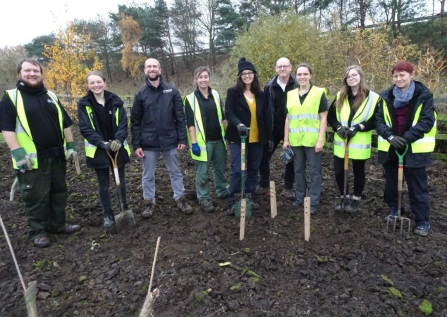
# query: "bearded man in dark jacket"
158, 126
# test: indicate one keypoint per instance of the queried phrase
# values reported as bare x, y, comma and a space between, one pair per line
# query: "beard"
152, 76
27, 83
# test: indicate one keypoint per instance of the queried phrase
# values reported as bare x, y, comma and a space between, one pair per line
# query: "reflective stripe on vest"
360, 145
304, 120
198, 124
424, 145
23, 131
89, 148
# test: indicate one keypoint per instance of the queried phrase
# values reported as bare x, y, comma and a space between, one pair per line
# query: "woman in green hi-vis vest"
351, 116
206, 124
304, 131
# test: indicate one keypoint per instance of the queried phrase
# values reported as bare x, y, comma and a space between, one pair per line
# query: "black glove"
397, 142
342, 131
104, 145
353, 130
271, 144
241, 129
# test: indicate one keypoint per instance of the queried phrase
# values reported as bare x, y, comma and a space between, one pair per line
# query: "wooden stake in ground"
273, 208
307, 218
151, 296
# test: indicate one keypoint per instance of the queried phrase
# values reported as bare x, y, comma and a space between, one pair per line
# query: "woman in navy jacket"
103, 124
246, 107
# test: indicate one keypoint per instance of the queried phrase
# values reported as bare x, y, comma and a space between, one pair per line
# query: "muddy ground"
350, 267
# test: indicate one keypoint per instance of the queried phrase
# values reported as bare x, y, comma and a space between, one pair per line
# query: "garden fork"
400, 180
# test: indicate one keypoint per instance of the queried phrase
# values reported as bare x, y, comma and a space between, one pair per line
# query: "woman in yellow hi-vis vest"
206, 126
352, 116
304, 131
103, 124
407, 117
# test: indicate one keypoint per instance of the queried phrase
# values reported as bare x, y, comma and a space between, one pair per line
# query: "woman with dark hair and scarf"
406, 117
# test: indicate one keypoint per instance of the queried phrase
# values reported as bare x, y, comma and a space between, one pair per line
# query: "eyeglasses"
282, 66
247, 74
352, 76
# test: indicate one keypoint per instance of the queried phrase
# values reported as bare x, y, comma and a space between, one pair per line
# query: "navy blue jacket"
157, 118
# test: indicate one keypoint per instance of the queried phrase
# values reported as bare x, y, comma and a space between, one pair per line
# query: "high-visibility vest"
23, 131
304, 119
424, 145
200, 128
90, 149
360, 145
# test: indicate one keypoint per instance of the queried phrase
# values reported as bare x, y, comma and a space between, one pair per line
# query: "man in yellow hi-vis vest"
37, 130
407, 118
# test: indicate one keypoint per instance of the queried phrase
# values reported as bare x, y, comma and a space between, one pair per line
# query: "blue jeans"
172, 164
253, 160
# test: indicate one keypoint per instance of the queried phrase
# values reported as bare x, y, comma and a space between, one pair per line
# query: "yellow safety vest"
198, 124
304, 119
90, 149
23, 131
360, 146
424, 145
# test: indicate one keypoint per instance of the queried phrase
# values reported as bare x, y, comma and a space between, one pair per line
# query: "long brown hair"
305, 65
361, 94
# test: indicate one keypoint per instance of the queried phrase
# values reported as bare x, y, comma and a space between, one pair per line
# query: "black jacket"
96, 136
411, 133
277, 101
157, 118
237, 111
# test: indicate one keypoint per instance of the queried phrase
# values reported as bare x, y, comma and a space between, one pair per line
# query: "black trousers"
103, 176
358, 168
416, 179
264, 168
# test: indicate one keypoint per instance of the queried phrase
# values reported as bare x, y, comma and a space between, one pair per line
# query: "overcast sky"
23, 20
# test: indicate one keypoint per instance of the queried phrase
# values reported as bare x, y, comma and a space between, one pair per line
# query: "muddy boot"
182, 204
288, 194
207, 205
149, 207
42, 241
109, 220
231, 209
341, 203
353, 206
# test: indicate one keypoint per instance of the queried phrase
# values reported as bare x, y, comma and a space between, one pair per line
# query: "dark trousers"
44, 192
416, 179
253, 159
358, 168
103, 176
264, 168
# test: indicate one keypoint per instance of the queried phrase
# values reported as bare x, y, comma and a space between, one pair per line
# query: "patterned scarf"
402, 98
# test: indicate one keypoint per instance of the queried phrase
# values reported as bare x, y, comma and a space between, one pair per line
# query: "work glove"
241, 129
397, 142
195, 149
105, 145
287, 155
353, 130
71, 151
342, 131
23, 161
115, 145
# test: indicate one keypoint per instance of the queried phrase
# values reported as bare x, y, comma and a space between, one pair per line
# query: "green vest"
23, 131
304, 120
360, 146
198, 124
90, 149
424, 145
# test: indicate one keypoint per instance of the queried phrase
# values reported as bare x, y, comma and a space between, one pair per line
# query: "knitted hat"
243, 64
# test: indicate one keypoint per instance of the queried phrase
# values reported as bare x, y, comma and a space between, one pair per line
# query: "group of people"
290, 109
